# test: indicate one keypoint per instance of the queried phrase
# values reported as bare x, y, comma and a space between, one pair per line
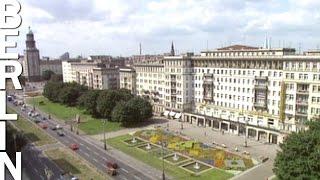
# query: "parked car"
30, 113
111, 164
60, 133
74, 178
43, 125
53, 128
112, 171
74, 146
38, 121
44, 118
9, 98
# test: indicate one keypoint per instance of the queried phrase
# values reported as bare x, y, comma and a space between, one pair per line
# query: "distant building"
33, 67
128, 79
31, 63
65, 56
95, 74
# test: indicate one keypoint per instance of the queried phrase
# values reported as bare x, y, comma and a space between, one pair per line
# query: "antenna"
299, 48
207, 45
140, 49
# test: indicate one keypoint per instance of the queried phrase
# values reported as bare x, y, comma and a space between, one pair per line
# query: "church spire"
172, 53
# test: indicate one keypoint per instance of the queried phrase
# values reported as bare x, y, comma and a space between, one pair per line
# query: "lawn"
174, 171
88, 124
31, 131
70, 162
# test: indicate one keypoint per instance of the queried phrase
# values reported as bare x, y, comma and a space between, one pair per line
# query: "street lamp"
104, 134
163, 175
245, 136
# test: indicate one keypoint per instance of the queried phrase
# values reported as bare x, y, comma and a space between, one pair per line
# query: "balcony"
302, 102
261, 78
302, 91
260, 105
261, 86
303, 114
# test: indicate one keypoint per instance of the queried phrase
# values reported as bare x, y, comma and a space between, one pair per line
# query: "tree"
88, 101
47, 74
70, 93
52, 90
56, 78
15, 141
299, 158
136, 111
22, 80
107, 100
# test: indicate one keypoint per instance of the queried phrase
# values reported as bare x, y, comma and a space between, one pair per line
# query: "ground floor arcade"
262, 134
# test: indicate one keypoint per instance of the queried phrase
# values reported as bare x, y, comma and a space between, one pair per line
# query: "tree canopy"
46, 74
300, 155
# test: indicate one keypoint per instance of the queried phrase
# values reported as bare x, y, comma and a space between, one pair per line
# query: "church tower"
172, 53
31, 64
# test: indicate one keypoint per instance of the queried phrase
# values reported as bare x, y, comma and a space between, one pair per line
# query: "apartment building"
128, 79
150, 83
92, 73
259, 92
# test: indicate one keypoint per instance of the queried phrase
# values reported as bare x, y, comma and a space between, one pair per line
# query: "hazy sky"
116, 27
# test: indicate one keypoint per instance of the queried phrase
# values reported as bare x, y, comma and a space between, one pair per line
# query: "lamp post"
104, 134
163, 175
245, 136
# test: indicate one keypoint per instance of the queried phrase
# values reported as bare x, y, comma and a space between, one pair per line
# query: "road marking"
86, 154
124, 170
81, 144
96, 153
95, 160
136, 177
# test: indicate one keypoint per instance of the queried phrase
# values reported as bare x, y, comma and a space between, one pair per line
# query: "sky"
116, 27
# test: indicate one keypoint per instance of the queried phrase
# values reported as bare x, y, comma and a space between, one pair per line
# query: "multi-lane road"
92, 153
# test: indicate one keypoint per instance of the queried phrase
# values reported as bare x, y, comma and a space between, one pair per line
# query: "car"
53, 128
111, 164
74, 146
58, 126
60, 133
43, 125
112, 171
44, 118
74, 178
38, 121
30, 113
9, 98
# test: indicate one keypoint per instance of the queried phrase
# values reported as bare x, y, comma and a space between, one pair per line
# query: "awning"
172, 113
177, 116
166, 113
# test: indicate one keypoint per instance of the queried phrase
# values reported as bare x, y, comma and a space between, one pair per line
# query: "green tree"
88, 101
47, 74
70, 93
52, 90
107, 100
56, 78
134, 112
15, 141
300, 154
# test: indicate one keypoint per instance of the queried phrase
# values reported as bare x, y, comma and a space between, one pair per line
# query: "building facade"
128, 79
263, 93
94, 74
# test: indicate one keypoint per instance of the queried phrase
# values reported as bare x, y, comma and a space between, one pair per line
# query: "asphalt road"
92, 153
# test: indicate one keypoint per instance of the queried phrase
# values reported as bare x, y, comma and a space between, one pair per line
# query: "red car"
111, 164
74, 146
43, 126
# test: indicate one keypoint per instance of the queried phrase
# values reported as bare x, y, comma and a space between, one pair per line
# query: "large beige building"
261, 92
92, 73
